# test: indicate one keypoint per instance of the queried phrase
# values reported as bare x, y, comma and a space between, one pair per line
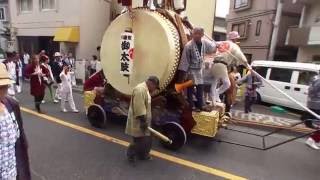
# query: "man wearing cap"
228, 52
57, 67
139, 119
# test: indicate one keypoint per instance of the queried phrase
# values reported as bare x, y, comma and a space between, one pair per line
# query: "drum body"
156, 50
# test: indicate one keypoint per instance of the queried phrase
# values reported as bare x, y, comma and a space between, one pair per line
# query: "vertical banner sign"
126, 50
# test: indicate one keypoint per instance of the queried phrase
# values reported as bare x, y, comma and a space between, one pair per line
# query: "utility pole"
275, 32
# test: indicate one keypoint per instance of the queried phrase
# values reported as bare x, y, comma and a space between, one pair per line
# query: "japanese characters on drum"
126, 50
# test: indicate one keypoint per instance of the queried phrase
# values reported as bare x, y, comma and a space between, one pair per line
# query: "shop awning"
67, 34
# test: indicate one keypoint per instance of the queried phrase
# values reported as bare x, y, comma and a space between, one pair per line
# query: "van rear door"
302, 80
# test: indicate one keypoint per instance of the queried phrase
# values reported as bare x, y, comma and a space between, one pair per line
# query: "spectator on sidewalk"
26, 58
19, 67
252, 82
66, 90
313, 103
25, 62
49, 81
37, 73
72, 63
14, 160
93, 64
13, 72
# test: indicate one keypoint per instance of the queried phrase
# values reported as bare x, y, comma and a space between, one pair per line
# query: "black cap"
154, 80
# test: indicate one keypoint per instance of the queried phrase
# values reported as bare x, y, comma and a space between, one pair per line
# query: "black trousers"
248, 102
226, 101
37, 101
199, 96
92, 71
140, 147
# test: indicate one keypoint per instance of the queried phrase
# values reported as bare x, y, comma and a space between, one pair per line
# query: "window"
241, 28
283, 75
262, 71
306, 77
48, 4
25, 5
216, 37
240, 3
249, 57
316, 58
258, 28
2, 14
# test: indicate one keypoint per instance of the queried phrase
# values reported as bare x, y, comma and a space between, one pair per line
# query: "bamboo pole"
276, 88
160, 136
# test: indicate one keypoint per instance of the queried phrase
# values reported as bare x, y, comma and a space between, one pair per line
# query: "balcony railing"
303, 36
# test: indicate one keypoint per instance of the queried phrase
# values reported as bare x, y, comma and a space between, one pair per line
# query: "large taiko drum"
156, 50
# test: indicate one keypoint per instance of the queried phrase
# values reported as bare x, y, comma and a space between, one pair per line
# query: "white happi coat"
66, 86
192, 60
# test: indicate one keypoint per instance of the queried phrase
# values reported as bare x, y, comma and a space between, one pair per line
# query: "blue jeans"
199, 96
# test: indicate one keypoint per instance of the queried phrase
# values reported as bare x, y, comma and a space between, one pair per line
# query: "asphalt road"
64, 146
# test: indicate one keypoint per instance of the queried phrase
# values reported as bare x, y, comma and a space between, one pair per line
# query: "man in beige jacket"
139, 119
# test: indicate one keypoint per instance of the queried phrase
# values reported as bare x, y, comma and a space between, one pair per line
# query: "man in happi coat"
192, 62
139, 119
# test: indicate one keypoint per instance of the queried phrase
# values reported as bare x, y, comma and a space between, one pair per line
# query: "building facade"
219, 29
255, 22
36, 24
306, 36
4, 24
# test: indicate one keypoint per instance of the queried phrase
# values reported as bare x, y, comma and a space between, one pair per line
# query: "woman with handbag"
49, 81
37, 74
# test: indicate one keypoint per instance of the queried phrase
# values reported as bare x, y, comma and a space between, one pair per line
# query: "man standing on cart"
192, 62
139, 119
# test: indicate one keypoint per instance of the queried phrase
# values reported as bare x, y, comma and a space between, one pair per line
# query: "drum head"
176, 133
156, 50
97, 116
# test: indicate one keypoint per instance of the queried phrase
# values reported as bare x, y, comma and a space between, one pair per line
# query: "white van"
291, 77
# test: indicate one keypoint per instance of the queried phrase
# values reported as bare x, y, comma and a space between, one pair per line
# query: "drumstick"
160, 136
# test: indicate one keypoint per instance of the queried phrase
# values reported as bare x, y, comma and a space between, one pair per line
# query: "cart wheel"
176, 133
97, 116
